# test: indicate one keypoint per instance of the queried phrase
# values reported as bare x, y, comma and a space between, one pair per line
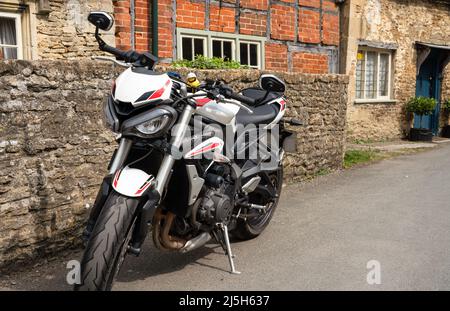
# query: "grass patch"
323, 172
353, 157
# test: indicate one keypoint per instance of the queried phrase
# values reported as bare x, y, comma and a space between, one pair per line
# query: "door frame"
437, 57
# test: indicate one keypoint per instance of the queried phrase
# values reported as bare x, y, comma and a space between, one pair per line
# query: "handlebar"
226, 91
131, 56
112, 59
244, 99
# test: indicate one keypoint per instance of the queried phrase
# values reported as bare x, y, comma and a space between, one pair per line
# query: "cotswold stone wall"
66, 33
54, 150
402, 23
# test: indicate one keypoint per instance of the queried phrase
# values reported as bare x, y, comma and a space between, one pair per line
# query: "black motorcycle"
186, 189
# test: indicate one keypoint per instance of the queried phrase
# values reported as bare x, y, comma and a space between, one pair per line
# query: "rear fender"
132, 182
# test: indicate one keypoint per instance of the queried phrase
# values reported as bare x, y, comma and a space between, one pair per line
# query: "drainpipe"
154, 7
133, 22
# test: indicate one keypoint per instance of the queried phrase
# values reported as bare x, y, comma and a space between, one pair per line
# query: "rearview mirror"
102, 20
271, 83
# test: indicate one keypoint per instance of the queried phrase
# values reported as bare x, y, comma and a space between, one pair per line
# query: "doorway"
428, 84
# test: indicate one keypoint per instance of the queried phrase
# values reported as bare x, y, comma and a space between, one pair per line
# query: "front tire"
106, 249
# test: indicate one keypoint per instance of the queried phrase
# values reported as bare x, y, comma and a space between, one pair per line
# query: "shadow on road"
153, 262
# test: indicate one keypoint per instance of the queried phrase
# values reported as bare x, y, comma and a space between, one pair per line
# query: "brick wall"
221, 19
309, 26
282, 22
142, 25
190, 14
276, 57
309, 62
165, 29
253, 23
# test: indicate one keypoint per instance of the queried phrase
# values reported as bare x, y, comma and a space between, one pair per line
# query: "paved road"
325, 231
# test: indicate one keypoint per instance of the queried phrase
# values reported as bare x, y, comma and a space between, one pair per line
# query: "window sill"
375, 101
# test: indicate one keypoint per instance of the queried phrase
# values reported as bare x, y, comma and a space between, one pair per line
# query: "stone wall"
66, 33
400, 23
54, 149
445, 95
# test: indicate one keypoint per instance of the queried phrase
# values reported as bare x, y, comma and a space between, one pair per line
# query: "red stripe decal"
116, 178
144, 186
159, 92
282, 104
202, 101
206, 148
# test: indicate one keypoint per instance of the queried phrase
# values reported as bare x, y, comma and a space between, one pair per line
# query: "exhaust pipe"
163, 240
196, 242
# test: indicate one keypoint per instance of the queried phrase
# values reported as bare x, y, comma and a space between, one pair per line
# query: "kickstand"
226, 246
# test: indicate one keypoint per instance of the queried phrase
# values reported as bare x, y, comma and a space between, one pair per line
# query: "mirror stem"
101, 43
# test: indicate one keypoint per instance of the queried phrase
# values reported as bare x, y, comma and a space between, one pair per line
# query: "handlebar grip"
244, 99
114, 51
128, 56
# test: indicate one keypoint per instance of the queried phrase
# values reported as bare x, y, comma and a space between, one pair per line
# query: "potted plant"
421, 106
446, 109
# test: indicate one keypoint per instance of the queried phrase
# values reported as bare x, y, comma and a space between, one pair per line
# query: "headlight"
151, 123
153, 126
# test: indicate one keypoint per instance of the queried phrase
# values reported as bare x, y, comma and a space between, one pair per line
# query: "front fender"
132, 182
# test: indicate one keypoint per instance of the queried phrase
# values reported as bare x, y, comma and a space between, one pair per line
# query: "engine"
217, 202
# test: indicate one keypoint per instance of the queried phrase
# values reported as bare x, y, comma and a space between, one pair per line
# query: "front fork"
168, 160
119, 159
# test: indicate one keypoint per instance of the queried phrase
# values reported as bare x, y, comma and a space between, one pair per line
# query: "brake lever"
112, 59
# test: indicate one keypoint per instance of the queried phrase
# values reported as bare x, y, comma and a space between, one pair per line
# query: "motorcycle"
185, 190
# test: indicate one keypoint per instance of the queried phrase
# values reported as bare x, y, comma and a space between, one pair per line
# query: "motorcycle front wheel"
107, 246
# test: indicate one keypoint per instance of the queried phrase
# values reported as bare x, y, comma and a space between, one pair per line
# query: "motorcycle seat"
260, 95
263, 114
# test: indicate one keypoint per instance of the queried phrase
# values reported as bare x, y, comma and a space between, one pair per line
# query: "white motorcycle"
185, 189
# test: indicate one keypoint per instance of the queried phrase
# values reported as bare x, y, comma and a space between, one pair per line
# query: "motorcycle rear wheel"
252, 227
107, 246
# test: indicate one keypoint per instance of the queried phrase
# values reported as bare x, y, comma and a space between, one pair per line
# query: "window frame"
192, 37
378, 98
18, 21
258, 52
233, 45
214, 35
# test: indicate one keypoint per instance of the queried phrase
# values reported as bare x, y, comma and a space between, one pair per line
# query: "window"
10, 36
223, 49
248, 50
192, 46
250, 54
373, 75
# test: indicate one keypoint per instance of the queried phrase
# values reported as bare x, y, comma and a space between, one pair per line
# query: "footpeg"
226, 239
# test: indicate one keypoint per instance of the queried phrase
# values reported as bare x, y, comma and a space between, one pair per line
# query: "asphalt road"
321, 238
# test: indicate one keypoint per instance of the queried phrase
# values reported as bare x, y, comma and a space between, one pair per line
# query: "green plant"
202, 62
421, 106
353, 157
323, 172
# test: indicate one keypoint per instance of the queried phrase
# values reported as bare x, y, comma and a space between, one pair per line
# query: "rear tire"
250, 228
107, 246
